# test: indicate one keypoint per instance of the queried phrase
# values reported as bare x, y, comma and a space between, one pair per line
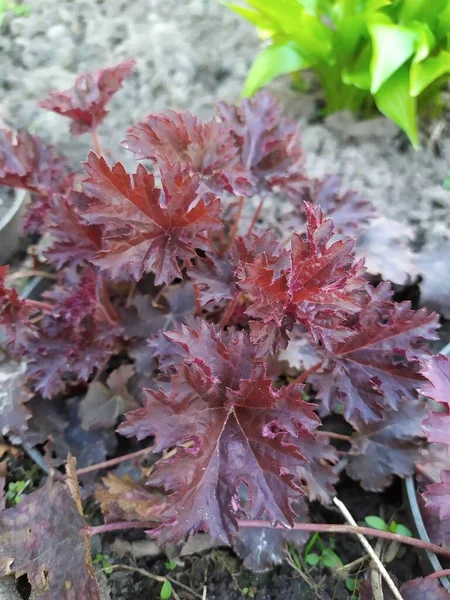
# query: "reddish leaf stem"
98, 149
131, 293
198, 306
229, 311
44, 306
303, 376
312, 527
119, 526
114, 461
256, 215
234, 228
351, 529
438, 574
336, 436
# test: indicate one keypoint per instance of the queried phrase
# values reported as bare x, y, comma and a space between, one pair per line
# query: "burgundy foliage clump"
213, 331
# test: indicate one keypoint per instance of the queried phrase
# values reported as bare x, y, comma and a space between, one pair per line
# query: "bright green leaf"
331, 560
402, 530
251, 15
170, 565
394, 101
425, 41
359, 75
444, 22
350, 584
424, 73
270, 63
411, 10
376, 523
393, 45
166, 590
374, 5
349, 32
312, 559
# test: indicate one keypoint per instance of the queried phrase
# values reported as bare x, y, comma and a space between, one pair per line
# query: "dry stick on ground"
31, 273
348, 517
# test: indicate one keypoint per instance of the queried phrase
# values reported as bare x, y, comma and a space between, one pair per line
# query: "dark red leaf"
85, 103
243, 431
28, 162
378, 364
144, 322
145, 228
350, 213
437, 496
389, 447
319, 290
262, 548
77, 337
45, 538
72, 241
269, 146
206, 148
437, 425
14, 317
55, 428
103, 404
215, 274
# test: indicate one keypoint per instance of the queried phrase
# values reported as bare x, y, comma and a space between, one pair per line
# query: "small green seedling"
392, 527
248, 592
166, 590
170, 565
14, 493
327, 557
104, 562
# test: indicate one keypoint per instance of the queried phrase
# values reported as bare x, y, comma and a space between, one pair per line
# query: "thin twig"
131, 294
184, 587
42, 306
115, 461
92, 530
303, 376
31, 273
159, 578
234, 228
349, 566
256, 215
229, 311
98, 149
388, 579
333, 435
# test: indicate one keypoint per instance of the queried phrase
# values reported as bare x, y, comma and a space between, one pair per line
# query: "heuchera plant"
227, 326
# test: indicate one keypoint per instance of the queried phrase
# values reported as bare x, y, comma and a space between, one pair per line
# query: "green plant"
325, 555
393, 526
166, 590
16, 8
14, 493
104, 562
389, 54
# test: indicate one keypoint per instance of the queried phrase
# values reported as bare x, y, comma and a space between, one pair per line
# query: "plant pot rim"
20, 198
